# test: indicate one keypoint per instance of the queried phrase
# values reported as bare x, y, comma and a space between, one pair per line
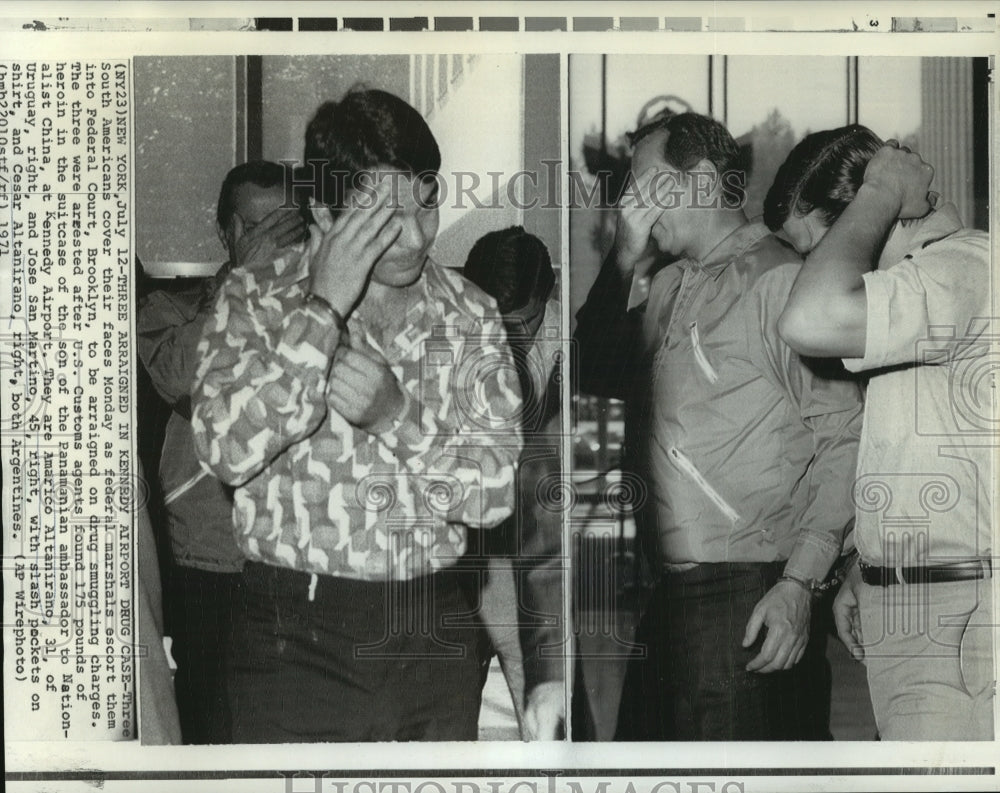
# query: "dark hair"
693, 137
512, 266
363, 131
824, 172
257, 172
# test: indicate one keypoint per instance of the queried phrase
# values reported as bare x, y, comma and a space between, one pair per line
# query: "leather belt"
959, 571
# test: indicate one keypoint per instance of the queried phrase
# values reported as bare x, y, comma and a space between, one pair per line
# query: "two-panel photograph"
565, 397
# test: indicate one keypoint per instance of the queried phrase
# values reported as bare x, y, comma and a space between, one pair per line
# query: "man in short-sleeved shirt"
918, 607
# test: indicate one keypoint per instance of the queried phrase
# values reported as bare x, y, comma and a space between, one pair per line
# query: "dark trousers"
202, 605
693, 686
360, 661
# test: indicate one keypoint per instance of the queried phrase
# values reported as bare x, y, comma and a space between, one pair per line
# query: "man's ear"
706, 166
222, 236
816, 227
705, 178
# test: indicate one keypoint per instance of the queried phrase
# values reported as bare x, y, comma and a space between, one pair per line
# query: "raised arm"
169, 328
267, 352
826, 313
262, 376
606, 331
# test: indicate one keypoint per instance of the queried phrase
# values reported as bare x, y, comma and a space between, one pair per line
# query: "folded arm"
260, 384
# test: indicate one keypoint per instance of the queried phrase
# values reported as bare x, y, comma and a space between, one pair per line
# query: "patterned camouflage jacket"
315, 493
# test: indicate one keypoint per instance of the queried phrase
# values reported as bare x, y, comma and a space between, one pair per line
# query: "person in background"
338, 393
203, 588
748, 453
159, 723
522, 601
901, 292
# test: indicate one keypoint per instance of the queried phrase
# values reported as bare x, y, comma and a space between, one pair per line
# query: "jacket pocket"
688, 467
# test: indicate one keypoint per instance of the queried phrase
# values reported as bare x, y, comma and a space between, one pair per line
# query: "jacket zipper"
689, 468
699, 355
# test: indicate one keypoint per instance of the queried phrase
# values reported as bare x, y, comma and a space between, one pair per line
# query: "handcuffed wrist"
808, 586
314, 300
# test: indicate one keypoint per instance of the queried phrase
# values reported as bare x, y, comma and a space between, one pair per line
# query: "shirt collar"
938, 225
910, 240
732, 246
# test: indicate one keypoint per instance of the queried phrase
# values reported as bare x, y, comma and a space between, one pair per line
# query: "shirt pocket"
704, 365
683, 462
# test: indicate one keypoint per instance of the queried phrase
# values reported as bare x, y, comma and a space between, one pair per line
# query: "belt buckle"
898, 569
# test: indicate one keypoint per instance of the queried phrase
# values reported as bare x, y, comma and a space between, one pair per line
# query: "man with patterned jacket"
202, 584
364, 403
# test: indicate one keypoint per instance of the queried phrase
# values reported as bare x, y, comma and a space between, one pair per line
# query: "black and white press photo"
781, 292
348, 328
499, 397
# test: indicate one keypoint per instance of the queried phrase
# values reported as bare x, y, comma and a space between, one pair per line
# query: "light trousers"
928, 654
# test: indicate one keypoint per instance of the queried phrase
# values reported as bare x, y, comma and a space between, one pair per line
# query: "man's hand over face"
902, 177
638, 211
256, 246
345, 249
363, 389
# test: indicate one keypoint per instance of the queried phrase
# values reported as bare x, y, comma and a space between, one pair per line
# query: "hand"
637, 213
345, 250
785, 610
846, 615
255, 247
363, 389
545, 712
902, 175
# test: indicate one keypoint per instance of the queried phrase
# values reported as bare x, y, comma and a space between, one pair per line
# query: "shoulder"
768, 268
776, 280
173, 299
274, 279
967, 248
958, 264
457, 293
765, 256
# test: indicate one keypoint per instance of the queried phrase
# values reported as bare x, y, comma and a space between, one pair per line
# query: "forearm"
542, 564
254, 396
167, 347
849, 249
826, 310
828, 514
605, 332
